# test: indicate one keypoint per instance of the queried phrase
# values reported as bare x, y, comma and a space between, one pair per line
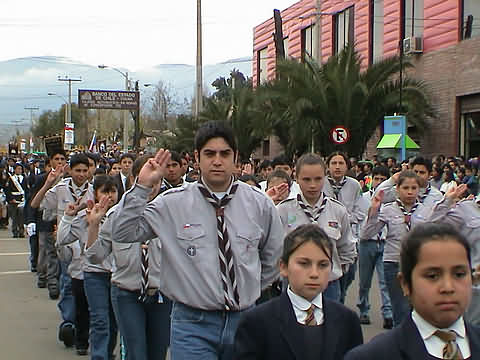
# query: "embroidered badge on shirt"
333, 224
191, 251
291, 220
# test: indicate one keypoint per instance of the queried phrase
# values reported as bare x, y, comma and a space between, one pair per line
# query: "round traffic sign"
339, 135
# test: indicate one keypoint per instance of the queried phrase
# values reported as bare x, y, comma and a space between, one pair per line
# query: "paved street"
29, 320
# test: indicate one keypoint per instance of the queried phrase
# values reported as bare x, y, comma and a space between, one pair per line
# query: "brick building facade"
448, 61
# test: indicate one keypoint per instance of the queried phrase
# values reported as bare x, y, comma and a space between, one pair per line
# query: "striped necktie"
337, 187
225, 253
407, 214
310, 319
451, 349
312, 217
145, 271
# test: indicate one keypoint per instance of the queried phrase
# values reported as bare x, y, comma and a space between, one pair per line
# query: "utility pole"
125, 118
32, 109
199, 83
69, 79
136, 135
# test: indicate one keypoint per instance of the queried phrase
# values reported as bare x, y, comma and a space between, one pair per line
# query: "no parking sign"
339, 135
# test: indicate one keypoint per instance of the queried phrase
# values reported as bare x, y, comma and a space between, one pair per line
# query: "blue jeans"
370, 257
202, 335
103, 327
144, 326
66, 304
346, 280
400, 305
332, 291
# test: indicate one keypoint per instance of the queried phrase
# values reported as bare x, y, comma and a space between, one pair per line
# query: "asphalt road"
29, 319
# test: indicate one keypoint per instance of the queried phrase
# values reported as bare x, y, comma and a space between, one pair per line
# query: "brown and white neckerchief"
425, 194
407, 214
225, 253
72, 191
337, 187
313, 217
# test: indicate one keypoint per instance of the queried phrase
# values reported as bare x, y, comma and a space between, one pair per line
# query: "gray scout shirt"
74, 228
391, 216
186, 227
333, 220
58, 197
127, 273
465, 216
349, 196
390, 193
72, 255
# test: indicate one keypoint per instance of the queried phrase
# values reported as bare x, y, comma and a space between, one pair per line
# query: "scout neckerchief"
312, 217
169, 186
72, 191
225, 253
337, 186
407, 214
145, 272
425, 194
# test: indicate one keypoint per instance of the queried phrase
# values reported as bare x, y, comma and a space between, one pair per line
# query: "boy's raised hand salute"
376, 202
54, 174
72, 209
455, 192
154, 169
95, 212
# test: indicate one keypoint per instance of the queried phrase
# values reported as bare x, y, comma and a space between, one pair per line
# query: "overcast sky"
131, 34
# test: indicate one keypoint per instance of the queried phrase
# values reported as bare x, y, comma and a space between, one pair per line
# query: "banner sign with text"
108, 99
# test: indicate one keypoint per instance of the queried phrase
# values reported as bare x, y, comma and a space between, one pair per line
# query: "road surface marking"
15, 272
14, 254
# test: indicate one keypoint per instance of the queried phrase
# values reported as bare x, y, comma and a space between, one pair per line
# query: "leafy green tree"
307, 100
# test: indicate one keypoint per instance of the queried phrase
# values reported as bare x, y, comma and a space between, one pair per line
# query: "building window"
309, 42
412, 18
471, 18
285, 47
376, 31
343, 29
262, 73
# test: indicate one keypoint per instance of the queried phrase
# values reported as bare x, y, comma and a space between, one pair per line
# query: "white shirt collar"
434, 344
301, 305
427, 330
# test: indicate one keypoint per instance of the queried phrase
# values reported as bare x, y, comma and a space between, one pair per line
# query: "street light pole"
66, 105
124, 112
199, 83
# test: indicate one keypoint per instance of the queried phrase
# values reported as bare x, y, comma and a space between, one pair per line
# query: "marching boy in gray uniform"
428, 194
313, 206
465, 216
221, 240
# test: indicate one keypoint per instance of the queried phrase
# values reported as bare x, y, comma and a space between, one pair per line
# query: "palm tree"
310, 99
244, 116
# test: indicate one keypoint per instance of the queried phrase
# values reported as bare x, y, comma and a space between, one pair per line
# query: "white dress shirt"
124, 181
301, 305
433, 343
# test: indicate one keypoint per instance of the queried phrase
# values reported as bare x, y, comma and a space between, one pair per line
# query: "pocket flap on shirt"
191, 232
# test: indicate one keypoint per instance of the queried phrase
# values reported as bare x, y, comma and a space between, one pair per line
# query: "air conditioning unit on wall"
413, 45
